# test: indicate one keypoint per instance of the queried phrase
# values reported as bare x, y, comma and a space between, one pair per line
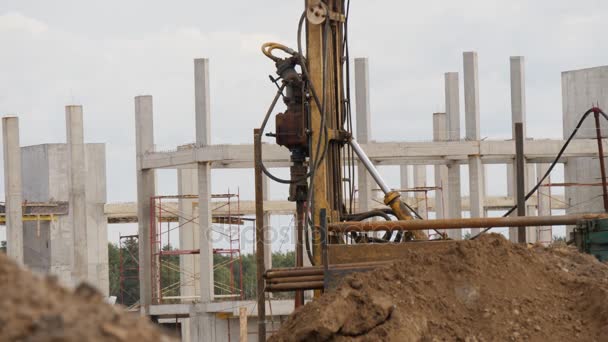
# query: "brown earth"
483, 290
38, 309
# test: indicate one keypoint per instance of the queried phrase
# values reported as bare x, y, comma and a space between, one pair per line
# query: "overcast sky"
101, 54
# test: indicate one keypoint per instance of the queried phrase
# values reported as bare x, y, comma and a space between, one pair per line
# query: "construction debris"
483, 290
38, 309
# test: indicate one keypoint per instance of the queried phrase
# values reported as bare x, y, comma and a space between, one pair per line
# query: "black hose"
555, 161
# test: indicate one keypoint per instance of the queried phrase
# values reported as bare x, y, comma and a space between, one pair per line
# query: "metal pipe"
600, 150
297, 279
520, 177
314, 270
313, 285
480, 222
300, 217
369, 165
259, 231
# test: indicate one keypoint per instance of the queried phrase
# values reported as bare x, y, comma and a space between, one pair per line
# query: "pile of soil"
483, 290
38, 309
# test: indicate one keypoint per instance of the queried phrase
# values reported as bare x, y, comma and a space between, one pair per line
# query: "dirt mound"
483, 290
37, 309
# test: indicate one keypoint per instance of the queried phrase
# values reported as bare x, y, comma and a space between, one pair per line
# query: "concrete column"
471, 106
580, 90
267, 231
364, 135
203, 138
419, 182
13, 188
187, 180
76, 183
404, 179
203, 323
452, 109
518, 114
146, 188
440, 133
544, 204
97, 221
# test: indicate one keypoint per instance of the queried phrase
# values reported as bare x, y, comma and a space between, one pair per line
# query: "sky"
101, 54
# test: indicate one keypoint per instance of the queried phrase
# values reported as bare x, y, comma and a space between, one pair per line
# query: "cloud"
16, 22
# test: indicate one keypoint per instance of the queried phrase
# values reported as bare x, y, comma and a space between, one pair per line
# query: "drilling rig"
313, 82
316, 127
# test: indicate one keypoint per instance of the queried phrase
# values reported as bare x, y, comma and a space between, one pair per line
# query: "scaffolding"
165, 256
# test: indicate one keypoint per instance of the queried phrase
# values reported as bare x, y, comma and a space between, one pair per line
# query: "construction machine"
316, 126
313, 82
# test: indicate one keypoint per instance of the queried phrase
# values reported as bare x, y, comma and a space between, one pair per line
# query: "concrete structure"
446, 153
421, 197
73, 245
187, 184
12, 188
452, 110
440, 134
582, 89
471, 105
363, 131
146, 188
76, 190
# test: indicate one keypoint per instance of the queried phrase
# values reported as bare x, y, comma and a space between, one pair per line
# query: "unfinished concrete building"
56, 194
56, 214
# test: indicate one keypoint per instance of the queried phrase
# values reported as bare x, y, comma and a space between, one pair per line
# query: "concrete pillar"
97, 221
76, 183
12, 188
544, 204
518, 114
452, 109
471, 106
187, 180
267, 231
204, 323
421, 197
146, 188
580, 90
203, 138
364, 135
440, 133
404, 179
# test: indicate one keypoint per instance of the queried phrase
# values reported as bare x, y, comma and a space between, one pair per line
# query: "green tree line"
127, 293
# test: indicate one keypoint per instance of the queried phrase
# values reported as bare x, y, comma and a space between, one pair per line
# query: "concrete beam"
77, 184
381, 153
146, 188
126, 212
13, 188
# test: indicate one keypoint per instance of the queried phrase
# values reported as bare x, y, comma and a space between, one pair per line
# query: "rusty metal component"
600, 151
313, 285
519, 169
259, 230
481, 222
318, 270
295, 279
